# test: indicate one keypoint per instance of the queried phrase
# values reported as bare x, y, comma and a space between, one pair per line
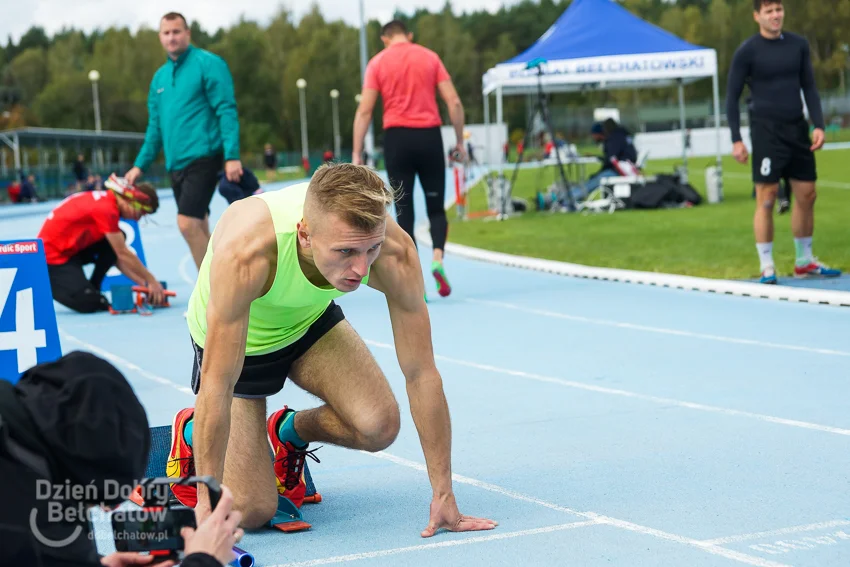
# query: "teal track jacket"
191, 111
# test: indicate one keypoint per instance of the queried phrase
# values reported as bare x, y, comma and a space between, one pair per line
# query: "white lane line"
183, 269
117, 360
778, 532
437, 545
661, 330
599, 518
480, 484
635, 395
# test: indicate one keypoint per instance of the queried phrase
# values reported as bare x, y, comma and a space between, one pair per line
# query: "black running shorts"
194, 186
263, 375
782, 150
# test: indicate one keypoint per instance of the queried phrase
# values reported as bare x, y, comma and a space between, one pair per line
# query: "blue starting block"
28, 331
123, 299
133, 299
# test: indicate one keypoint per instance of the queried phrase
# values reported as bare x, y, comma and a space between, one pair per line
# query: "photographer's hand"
125, 559
218, 533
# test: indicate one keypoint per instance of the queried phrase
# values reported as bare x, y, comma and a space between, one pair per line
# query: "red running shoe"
816, 268
180, 462
288, 460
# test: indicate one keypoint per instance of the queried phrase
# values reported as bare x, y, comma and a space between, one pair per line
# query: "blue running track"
599, 423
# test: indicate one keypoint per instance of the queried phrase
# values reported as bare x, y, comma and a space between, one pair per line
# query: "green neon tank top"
283, 315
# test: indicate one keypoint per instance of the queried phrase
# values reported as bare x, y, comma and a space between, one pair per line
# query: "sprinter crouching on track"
263, 311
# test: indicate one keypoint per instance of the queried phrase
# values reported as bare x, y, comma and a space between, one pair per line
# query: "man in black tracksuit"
777, 66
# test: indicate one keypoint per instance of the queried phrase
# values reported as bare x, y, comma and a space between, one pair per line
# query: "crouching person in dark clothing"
73, 435
83, 229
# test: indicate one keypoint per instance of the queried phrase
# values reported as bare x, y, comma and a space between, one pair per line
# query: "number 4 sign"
28, 331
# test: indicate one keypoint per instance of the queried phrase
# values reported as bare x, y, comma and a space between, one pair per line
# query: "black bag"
676, 192
650, 195
688, 194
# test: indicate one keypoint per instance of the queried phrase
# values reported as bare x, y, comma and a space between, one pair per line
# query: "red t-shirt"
78, 222
406, 75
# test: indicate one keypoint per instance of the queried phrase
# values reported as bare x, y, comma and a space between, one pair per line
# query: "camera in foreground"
155, 527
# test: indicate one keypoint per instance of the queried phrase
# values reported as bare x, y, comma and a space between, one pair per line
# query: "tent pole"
716, 89
499, 119
684, 127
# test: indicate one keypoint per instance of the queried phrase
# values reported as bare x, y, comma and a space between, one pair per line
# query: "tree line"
44, 80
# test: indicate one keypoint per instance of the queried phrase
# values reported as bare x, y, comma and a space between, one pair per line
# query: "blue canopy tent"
598, 44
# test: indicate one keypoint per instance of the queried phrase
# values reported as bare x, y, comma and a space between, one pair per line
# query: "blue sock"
187, 432
286, 431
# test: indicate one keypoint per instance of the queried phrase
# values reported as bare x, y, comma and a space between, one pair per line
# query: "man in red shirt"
406, 77
83, 229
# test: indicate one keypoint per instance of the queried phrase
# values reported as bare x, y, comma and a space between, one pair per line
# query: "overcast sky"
17, 16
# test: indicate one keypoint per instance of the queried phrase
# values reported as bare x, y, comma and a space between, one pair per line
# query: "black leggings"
70, 286
412, 151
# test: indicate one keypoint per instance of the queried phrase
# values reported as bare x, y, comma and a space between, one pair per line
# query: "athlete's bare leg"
360, 410
803, 209
763, 220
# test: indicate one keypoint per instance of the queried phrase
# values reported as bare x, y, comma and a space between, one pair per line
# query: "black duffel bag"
664, 191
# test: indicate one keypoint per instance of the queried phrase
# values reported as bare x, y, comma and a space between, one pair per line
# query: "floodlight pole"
369, 142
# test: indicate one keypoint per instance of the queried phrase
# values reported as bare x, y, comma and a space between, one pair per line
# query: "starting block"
288, 517
28, 331
124, 300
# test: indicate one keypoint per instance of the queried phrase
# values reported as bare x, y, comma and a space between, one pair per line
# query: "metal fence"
49, 155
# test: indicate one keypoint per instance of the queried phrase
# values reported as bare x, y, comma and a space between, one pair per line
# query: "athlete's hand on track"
156, 293
445, 515
740, 153
818, 138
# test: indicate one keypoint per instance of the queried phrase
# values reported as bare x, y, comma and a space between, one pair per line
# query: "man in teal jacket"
191, 117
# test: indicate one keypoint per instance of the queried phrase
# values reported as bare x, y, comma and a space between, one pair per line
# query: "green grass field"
709, 240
